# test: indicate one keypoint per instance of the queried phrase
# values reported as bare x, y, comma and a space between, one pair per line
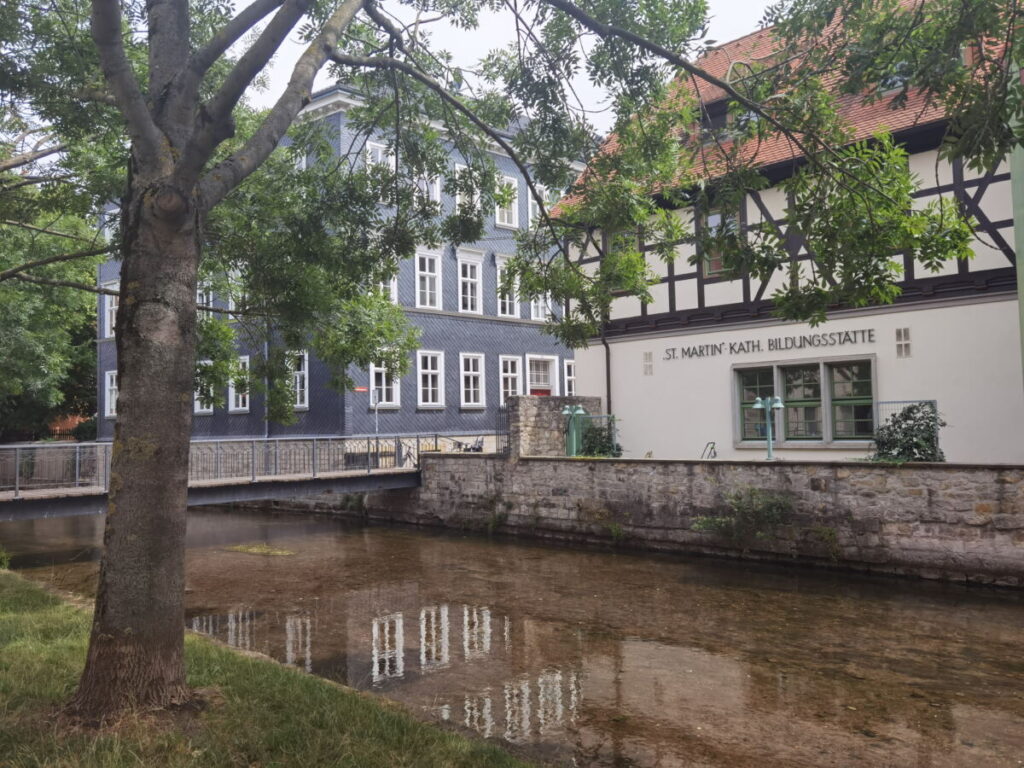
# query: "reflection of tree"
298, 639
476, 632
434, 637
388, 647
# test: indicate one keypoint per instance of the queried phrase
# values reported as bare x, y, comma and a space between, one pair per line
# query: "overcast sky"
729, 19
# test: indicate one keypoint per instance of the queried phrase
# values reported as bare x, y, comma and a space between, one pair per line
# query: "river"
601, 658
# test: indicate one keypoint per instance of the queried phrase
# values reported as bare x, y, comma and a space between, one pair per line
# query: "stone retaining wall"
954, 522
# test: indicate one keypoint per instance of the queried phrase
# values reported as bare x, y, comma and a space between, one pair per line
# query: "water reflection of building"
298, 644
234, 628
388, 647
434, 648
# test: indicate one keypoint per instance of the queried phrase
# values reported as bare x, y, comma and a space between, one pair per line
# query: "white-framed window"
390, 289
204, 294
110, 309
428, 280
111, 390
534, 207
549, 196
461, 171
541, 308
377, 154
236, 290
570, 377
299, 361
430, 376
430, 188
202, 398
541, 375
386, 390
508, 215
508, 302
471, 367
470, 267
238, 388
511, 377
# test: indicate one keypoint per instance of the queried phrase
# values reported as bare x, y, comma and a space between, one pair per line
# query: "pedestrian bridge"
73, 478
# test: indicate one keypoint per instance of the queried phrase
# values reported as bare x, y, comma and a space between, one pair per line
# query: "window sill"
472, 407
506, 226
385, 407
429, 407
805, 445
237, 411
300, 408
202, 413
428, 306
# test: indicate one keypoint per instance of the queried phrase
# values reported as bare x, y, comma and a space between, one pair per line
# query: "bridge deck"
58, 502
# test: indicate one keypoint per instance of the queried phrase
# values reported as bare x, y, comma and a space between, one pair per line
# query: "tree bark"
135, 657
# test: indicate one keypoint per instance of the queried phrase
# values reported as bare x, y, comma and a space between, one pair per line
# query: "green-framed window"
754, 383
853, 410
801, 385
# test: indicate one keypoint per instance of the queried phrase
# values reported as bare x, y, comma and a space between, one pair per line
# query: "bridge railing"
25, 468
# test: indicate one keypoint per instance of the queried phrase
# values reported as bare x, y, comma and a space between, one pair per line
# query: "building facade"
477, 346
684, 372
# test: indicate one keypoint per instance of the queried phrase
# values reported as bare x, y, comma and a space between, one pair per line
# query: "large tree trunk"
135, 657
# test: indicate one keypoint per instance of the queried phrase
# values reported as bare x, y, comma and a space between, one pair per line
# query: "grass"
259, 549
262, 713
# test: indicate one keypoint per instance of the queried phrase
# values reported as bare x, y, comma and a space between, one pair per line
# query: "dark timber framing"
969, 193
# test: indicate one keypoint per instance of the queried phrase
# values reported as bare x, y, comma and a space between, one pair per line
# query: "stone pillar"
536, 425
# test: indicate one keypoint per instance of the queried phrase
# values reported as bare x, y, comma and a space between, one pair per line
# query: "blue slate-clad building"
476, 347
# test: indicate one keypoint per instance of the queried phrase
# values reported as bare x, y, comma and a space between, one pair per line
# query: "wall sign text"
774, 344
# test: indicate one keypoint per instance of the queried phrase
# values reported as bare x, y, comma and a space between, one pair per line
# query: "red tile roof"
863, 119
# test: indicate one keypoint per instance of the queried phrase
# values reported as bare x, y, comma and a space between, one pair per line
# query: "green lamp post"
768, 405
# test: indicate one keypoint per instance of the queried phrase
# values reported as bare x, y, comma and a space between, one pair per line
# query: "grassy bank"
261, 715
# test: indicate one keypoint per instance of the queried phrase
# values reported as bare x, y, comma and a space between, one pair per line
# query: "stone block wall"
954, 522
537, 426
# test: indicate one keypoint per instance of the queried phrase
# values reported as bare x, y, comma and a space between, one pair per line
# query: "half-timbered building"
684, 372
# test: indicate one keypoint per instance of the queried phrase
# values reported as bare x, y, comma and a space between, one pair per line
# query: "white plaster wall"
965, 356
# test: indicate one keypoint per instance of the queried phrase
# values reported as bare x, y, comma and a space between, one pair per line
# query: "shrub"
912, 434
756, 513
85, 431
599, 440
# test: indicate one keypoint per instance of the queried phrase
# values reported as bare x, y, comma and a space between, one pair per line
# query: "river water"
598, 658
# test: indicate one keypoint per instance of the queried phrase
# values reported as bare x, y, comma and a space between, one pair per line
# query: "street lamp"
768, 405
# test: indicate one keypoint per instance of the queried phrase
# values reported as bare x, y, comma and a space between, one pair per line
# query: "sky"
729, 19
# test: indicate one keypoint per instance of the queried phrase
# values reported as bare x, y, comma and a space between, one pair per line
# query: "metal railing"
37, 467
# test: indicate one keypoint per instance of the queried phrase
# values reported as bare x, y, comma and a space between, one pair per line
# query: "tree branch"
111, 292
65, 284
30, 157
213, 121
225, 176
226, 36
106, 34
43, 230
408, 69
168, 24
14, 271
